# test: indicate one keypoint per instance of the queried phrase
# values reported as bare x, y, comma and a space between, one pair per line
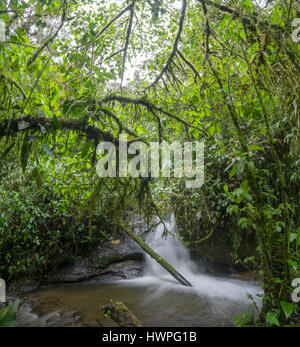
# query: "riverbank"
154, 296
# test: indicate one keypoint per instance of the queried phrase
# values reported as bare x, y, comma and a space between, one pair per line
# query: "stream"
156, 298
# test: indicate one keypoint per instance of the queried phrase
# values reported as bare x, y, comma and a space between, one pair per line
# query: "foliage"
226, 72
8, 314
40, 228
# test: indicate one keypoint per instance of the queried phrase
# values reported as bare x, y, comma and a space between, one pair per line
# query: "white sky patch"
133, 68
2, 30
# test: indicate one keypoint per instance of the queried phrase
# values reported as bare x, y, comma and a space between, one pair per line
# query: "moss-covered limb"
151, 108
118, 312
13, 82
172, 271
250, 20
175, 45
10, 127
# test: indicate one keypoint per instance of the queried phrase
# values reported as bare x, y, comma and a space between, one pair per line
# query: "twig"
127, 40
175, 45
36, 82
51, 38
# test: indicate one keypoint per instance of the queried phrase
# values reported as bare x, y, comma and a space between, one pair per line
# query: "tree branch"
175, 45
189, 64
120, 124
151, 107
248, 20
11, 127
127, 40
114, 19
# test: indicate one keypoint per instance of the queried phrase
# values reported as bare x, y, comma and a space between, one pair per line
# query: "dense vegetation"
75, 73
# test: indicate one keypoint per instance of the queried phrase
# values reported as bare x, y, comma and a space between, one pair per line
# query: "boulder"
120, 258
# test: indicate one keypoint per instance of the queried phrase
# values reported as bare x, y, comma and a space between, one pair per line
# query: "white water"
218, 289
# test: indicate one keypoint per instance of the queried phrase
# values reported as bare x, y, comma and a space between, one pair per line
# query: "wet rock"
214, 255
120, 258
27, 318
63, 319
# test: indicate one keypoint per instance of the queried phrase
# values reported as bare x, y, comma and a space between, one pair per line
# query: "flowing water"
156, 298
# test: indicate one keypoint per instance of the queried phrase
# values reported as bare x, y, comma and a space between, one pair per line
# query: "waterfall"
172, 249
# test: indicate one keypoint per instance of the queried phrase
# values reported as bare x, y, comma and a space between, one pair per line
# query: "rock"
120, 258
247, 276
214, 255
63, 319
118, 312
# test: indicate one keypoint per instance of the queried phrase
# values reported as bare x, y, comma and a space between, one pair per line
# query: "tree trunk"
158, 258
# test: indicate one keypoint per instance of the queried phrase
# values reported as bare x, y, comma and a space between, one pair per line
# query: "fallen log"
172, 271
118, 312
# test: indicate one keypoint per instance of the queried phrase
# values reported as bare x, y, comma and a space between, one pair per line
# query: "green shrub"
40, 229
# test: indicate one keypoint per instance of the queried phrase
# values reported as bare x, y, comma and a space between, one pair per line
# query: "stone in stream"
117, 311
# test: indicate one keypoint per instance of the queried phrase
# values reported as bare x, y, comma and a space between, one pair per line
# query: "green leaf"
173, 29
233, 171
232, 209
8, 314
85, 149
108, 108
293, 264
288, 308
255, 148
195, 99
242, 222
242, 34
271, 319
